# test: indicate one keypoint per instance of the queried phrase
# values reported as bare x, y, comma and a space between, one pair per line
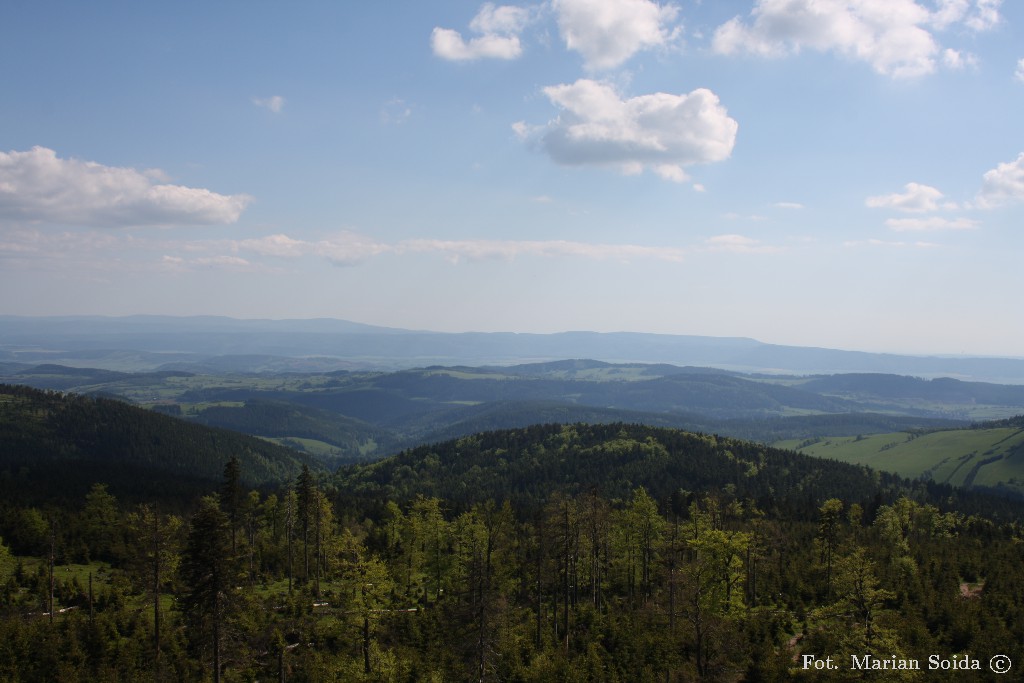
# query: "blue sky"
840, 173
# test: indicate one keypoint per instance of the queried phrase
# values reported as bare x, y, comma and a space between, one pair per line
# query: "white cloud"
350, 248
38, 186
893, 36
789, 205
737, 244
274, 245
918, 198
498, 29
979, 15
478, 250
448, 44
274, 103
659, 132
1019, 73
609, 32
395, 111
956, 60
985, 15
504, 20
20, 242
1002, 185
930, 223
231, 262
887, 244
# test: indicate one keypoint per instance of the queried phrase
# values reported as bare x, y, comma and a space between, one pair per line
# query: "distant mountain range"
221, 344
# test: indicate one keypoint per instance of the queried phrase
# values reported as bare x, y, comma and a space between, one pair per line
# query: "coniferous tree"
208, 573
231, 497
306, 501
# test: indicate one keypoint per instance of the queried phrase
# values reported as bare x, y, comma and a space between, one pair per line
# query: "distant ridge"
150, 342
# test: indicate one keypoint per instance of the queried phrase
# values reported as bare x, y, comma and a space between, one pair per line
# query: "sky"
836, 173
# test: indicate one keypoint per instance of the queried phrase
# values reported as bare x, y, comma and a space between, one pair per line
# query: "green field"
962, 457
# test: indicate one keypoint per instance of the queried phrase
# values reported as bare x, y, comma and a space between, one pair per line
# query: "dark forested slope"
528, 465
56, 445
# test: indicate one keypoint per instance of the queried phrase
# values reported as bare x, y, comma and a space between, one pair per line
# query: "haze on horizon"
845, 174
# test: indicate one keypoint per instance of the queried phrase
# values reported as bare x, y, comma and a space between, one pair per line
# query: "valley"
524, 521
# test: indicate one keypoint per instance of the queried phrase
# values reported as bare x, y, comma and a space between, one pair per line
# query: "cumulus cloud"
661, 132
789, 205
39, 186
894, 36
1004, 184
275, 103
1019, 73
930, 223
917, 198
498, 29
609, 32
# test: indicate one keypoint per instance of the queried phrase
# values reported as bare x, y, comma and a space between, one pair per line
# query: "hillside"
57, 445
527, 466
328, 435
348, 416
986, 456
529, 554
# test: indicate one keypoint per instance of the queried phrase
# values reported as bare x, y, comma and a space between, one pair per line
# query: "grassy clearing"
964, 457
312, 446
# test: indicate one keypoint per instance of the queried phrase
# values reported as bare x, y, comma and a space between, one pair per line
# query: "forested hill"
54, 446
527, 466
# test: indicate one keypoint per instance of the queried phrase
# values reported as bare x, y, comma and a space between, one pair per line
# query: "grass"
980, 457
311, 446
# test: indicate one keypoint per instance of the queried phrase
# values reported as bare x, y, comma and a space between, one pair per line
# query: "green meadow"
992, 457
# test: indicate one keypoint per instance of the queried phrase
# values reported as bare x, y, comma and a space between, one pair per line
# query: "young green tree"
368, 587
101, 521
154, 557
858, 622
713, 584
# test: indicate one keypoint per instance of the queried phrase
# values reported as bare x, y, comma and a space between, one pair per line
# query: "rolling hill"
527, 466
56, 445
218, 344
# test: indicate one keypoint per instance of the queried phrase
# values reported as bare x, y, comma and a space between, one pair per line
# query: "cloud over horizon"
39, 187
917, 198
